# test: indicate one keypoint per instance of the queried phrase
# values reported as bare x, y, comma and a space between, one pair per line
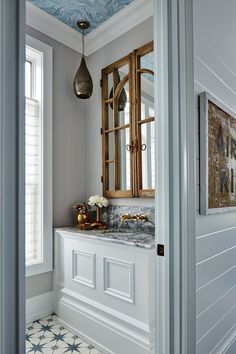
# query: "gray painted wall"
215, 60
113, 51
69, 125
39, 284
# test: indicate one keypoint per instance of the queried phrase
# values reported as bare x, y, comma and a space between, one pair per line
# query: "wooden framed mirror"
128, 132
145, 120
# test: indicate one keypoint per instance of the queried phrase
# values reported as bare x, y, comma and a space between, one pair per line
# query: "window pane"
110, 85
123, 70
147, 95
111, 177
148, 155
111, 146
110, 117
124, 159
124, 115
147, 61
32, 183
28, 79
122, 101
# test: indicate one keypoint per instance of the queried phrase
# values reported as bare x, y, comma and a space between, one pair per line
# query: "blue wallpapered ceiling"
69, 11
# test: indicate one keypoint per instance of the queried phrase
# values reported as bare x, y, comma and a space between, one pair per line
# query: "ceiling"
69, 11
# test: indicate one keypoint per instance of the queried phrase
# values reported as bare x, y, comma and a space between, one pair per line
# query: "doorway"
175, 200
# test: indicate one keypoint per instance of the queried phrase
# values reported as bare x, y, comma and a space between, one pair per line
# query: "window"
38, 157
128, 125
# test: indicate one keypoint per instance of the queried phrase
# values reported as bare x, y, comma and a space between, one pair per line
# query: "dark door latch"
160, 250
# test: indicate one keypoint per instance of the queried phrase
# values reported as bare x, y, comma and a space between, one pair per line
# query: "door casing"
175, 199
12, 259
173, 33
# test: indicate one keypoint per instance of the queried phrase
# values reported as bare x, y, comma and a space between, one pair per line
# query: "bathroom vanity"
105, 287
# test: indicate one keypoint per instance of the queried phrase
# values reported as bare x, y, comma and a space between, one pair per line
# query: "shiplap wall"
215, 270
216, 234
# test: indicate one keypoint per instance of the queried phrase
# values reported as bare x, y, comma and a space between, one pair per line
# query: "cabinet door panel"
147, 95
128, 116
123, 159
117, 129
146, 123
148, 155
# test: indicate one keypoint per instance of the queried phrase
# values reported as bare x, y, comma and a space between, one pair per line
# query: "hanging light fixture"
83, 84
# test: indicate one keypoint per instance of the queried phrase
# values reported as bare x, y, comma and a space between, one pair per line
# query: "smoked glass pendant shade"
83, 84
122, 100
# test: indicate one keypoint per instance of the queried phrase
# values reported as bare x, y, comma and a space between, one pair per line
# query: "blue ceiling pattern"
69, 11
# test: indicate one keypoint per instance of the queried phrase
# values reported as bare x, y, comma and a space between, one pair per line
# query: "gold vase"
82, 219
98, 224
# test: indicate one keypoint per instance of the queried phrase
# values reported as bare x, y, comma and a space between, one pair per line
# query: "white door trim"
12, 265
162, 161
188, 178
173, 34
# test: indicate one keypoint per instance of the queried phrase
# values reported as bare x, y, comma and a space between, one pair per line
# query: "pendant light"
122, 100
83, 84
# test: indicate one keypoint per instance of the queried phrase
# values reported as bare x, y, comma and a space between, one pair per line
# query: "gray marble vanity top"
124, 236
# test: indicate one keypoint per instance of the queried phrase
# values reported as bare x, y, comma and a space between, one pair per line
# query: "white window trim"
46, 264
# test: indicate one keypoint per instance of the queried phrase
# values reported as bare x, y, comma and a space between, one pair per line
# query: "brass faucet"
138, 217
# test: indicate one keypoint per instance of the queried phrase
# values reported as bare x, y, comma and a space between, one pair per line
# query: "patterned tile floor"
47, 336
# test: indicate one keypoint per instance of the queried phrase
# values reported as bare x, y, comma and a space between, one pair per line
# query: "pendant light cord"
83, 43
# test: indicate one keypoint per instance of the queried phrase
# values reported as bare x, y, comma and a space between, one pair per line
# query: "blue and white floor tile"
47, 336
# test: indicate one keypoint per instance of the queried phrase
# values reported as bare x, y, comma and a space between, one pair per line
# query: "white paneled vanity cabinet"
105, 291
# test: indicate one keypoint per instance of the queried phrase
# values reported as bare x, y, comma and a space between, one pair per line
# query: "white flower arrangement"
97, 200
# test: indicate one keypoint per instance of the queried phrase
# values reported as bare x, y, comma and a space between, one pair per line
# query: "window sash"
39, 182
33, 181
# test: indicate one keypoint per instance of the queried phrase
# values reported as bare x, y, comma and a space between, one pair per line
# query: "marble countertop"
125, 237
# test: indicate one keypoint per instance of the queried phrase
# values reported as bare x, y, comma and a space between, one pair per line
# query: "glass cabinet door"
128, 126
145, 122
117, 129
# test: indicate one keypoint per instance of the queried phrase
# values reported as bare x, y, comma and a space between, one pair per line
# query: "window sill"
36, 269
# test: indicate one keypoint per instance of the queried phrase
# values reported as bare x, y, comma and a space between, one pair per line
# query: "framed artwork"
217, 156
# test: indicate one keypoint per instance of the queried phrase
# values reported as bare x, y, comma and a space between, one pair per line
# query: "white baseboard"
119, 336
39, 306
86, 338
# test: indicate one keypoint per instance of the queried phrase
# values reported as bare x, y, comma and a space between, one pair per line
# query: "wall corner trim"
39, 306
126, 19
52, 27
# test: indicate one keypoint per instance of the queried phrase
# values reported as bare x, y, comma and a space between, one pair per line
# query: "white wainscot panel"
83, 268
118, 278
105, 293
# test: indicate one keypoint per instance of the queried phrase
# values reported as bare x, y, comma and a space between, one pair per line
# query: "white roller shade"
32, 182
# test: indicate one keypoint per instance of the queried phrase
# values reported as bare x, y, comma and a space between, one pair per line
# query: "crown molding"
52, 27
129, 17
132, 15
